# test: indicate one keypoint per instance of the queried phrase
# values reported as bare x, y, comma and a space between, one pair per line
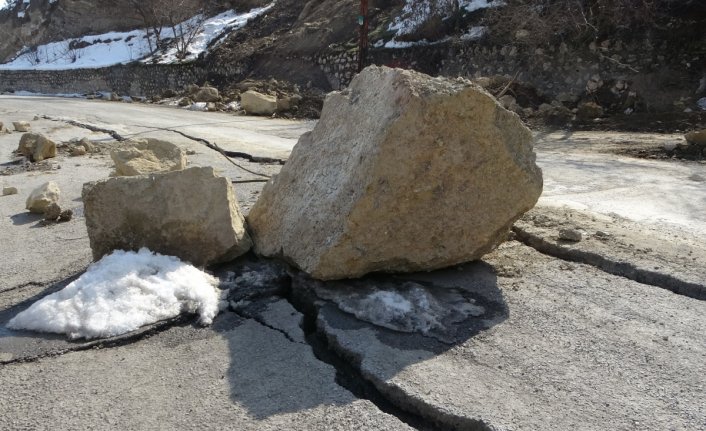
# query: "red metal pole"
363, 28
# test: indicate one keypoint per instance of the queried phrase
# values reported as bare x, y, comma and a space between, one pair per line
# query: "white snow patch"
397, 44
474, 5
6, 4
31, 94
404, 307
474, 33
113, 48
122, 292
701, 103
415, 13
198, 106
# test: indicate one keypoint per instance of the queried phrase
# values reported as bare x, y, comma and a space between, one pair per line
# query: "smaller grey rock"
206, 94
21, 126
573, 235
257, 103
88, 145
6, 191
78, 151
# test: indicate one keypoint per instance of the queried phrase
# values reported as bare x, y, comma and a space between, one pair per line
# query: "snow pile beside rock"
122, 292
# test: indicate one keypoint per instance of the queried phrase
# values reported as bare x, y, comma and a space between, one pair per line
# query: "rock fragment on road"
36, 147
43, 196
7, 191
144, 156
192, 214
21, 126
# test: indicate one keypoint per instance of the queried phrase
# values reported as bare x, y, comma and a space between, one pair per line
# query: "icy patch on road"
403, 306
122, 292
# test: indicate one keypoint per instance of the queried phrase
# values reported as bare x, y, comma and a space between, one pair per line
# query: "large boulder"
43, 196
192, 214
403, 172
145, 156
37, 147
257, 103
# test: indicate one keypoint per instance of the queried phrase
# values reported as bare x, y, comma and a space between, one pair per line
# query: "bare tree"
184, 17
186, 21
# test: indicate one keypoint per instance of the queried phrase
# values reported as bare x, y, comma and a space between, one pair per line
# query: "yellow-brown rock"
145, 156
192, 214
403, 172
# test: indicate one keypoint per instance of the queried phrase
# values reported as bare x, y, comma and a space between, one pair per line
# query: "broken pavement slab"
619, 246
236, 375
579, 349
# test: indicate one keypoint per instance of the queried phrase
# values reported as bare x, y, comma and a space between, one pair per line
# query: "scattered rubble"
21, 126
403, 172
144, 156
192, 214
36, 147
42, 197
52, 212
617, 246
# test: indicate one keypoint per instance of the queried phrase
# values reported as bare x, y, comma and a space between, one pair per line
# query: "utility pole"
363, 29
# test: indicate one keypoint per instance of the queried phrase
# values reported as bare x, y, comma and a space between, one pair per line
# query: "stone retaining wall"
134, 80
662, 75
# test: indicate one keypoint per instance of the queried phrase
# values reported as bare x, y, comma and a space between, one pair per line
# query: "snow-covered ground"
417, 12
122, 292
6, 3
113, 48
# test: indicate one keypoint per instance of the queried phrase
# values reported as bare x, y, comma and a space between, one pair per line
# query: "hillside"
595, 59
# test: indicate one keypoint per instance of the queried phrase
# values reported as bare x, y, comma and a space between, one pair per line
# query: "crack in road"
613, 267
348, 373
248, 316
23, 285
115, 135
227, 154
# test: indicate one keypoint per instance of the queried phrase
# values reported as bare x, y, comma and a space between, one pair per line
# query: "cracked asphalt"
602, 334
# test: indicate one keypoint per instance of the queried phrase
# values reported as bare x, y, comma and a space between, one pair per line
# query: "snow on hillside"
5, 3
113, 48
474, 5
417, 12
